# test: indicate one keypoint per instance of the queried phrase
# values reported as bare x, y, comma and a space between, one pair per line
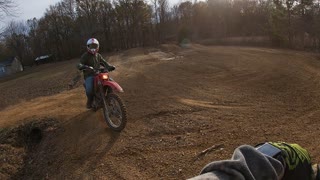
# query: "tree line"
123, 24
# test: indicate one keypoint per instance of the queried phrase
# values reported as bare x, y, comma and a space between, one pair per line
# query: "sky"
33, 8
28, 9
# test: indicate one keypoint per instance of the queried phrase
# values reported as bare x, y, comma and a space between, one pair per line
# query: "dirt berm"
179, 101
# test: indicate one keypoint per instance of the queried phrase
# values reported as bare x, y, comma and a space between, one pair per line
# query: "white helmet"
93, 46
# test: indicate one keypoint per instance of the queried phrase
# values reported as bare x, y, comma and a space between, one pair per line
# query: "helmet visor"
93, 46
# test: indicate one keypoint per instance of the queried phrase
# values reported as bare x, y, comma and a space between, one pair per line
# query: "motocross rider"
94, 59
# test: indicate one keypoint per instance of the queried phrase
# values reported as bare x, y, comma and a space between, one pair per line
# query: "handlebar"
96, 71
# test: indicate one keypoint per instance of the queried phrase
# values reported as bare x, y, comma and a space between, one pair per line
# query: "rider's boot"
89, 103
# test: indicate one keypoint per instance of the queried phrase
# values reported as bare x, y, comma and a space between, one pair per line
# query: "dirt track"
207, 96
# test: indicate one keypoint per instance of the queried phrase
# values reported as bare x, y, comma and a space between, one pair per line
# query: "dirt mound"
134, 52
43, 81
46, 148
164, 56
17, 143
170, 48
164, 52
242, 41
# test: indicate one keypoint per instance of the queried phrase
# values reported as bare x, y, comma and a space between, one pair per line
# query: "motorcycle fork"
98, 95
104, 103
101, 90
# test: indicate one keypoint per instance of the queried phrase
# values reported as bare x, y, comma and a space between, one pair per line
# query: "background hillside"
180, 102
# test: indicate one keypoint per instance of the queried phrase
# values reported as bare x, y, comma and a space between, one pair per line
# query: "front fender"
115, 86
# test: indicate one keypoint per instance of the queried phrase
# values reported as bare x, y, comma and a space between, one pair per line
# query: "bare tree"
16, 40
6, 7
163, 18
123, 24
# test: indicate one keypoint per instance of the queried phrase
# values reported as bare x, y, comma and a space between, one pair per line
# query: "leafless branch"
208, 150
7, 8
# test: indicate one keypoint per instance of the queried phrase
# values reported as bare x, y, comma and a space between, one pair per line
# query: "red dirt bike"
114, 110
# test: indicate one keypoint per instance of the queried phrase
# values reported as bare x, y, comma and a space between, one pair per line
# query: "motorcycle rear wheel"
114, 111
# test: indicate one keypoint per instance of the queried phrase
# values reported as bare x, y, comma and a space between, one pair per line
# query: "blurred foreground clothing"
247, 163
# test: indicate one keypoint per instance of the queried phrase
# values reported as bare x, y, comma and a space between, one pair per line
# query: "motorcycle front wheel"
114, 111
